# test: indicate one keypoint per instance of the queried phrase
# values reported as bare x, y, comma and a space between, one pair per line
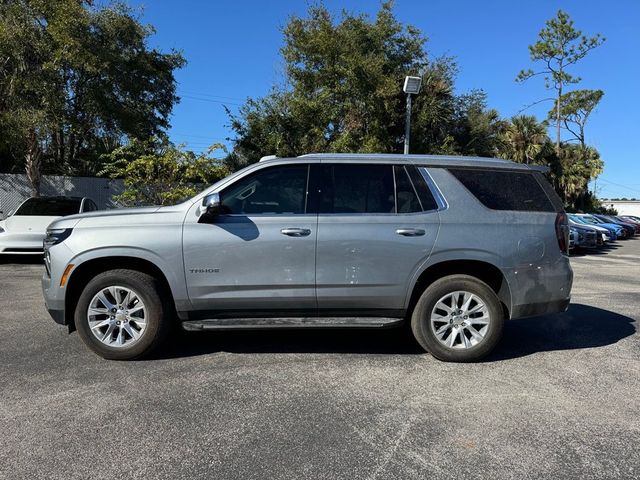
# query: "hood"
584, 228
28, 223
612, 226
72, 220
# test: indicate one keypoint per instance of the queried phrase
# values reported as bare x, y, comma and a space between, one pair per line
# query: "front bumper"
54, 294
21, 244
58, 316
52, 300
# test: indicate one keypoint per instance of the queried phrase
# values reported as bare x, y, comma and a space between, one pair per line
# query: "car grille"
22, 250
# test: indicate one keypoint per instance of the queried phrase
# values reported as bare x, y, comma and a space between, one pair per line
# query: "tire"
442, 292
146, 314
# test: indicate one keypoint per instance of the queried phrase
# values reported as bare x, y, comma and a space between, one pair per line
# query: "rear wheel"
458, 318
121, 314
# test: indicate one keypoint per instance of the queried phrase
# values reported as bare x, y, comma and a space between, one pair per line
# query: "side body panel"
364, 263
246, 263
521, 244
154, 235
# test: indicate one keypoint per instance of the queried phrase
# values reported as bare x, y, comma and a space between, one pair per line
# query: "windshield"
576, 218
590, 219
49, 207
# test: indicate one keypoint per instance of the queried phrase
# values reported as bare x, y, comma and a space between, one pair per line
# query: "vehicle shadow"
601, 250
582, 326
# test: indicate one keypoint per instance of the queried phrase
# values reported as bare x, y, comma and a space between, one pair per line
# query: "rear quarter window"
505, 190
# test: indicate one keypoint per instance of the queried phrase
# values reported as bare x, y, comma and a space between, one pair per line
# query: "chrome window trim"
435, 190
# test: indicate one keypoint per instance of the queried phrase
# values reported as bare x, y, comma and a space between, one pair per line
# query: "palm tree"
524, 139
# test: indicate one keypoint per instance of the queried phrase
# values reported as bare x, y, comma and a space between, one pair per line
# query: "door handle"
296, 232
410, 232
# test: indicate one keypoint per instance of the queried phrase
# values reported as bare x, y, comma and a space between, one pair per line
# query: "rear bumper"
534, 309
540, 289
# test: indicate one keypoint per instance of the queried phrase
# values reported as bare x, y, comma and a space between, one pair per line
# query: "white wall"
629, 207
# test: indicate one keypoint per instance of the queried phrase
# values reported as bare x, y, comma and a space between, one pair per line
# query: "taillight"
562, 232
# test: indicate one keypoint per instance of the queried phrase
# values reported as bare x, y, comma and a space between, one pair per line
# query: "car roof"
56, 197
418, 160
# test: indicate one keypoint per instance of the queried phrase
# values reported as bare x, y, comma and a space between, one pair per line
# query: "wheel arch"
83, 273
480, 269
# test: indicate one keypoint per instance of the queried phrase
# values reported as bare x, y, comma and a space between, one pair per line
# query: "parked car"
453, 245
630, 217
633, 222
619, 230
604, 234
573, 236
629, 227
587, 237
23, 231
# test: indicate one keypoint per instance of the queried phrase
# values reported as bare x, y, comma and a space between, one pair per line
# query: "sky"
232, 50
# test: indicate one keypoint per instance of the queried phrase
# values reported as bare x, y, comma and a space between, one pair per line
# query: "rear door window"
505, 190
356, 188
406, 195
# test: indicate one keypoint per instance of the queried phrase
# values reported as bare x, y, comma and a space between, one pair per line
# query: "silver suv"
453, 245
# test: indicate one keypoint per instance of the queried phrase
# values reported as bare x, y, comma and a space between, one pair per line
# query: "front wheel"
458, 319
121, 314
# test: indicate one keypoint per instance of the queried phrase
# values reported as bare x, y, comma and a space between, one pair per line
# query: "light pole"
411, 87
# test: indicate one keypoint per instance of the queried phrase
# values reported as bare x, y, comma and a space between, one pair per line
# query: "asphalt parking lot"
558, 399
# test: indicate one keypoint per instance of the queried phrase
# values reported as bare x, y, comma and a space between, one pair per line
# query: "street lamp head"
412, 85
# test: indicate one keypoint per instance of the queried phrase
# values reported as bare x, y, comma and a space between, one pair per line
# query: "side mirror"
211, 205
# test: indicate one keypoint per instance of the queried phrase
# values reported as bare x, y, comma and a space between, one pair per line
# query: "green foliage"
156, 172
343, 93
78, 78
524, 140
560, 45
575, 108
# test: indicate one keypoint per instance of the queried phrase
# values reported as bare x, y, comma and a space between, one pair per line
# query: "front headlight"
56, 236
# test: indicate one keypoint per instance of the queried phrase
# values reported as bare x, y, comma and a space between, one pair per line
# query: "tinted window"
406, 196
503, 190
89, 206
274, 190
354, 188
425, 195
49, 207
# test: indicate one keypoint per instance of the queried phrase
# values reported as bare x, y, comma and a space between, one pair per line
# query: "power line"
618, 185
192, 97
208, 95
206, 137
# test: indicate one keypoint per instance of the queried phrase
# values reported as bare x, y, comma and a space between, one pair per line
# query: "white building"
624, 207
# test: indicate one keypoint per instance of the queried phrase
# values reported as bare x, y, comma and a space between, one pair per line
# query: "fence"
15, 188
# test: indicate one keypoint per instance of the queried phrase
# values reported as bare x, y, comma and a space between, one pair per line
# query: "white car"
22, 232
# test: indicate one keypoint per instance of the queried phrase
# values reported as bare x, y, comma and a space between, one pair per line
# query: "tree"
575, 109
343, 93
77, 79
572, 170
524, 139
559, 46
156, 172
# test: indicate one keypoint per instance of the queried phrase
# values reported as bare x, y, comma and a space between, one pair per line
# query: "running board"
289, 322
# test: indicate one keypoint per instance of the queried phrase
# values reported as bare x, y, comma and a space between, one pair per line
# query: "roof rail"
268, 157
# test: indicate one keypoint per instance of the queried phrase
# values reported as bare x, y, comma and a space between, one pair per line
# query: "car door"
258, 256
374, 230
